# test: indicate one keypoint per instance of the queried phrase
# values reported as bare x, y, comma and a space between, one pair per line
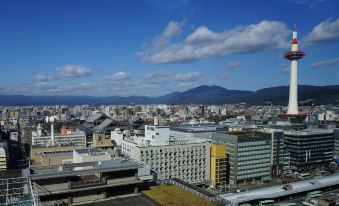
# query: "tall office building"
218, 166
309, 149
249, 155
336, 144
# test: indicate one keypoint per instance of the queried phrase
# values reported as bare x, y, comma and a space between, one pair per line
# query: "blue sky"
151, 47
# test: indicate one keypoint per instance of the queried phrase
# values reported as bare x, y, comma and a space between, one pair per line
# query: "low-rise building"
84, 182
101, 141
75, 138
3, 159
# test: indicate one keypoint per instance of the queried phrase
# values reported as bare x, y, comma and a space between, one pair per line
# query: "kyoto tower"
294, 55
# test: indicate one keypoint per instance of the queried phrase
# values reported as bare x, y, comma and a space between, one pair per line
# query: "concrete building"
192, 132
51, 156
249, 155
101, 141
170, 157
76, 138
309, 149
218, 166
277, 152
157, 135
75, 183
3, 159
336, 144
90, 155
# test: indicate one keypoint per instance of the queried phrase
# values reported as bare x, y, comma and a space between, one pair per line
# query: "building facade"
76, 138
218, 166
76, 183
336, 144
309, 149
170, 157
249, 155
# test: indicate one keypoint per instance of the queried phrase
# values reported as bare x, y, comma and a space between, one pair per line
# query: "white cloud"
325, 62
189, 76
325, 32
183, 86
285, 68
224, 72
119, 76
173, 29
42, 77
65, 72
232, 65
157, 77
46, 86
204, 43
82, 86
72, 71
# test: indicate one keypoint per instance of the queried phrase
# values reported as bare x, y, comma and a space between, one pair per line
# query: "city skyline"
124, 48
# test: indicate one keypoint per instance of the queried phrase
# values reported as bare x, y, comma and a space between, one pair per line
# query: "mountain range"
200, 95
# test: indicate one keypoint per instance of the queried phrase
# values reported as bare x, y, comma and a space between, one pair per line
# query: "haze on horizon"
152, 48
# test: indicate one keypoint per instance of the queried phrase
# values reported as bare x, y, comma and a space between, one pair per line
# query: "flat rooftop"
91, 152
242, 135
309, 132
278, 191
115, 164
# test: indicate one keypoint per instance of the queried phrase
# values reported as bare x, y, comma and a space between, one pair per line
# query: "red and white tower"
294, 55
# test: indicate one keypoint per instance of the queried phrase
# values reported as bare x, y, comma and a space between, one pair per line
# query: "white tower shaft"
52, 134
293, 98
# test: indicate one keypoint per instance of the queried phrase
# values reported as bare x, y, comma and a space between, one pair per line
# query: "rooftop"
278, 191
309, 132
71, 169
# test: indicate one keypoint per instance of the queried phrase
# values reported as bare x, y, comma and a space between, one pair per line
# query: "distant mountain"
202, 95
279, 95
199, 95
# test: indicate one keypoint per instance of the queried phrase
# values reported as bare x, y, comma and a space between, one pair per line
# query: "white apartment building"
3, 159
76, 138
188, 160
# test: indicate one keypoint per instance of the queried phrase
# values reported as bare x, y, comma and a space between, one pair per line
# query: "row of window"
247, 176
253, 157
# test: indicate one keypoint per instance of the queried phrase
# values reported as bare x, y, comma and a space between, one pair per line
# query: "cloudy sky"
148, 47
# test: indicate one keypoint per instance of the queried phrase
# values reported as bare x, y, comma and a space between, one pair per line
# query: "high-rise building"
309, 149
336, 144
249, 155
218, 166
277, 152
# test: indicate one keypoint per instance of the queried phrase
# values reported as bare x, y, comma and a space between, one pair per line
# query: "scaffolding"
18, 192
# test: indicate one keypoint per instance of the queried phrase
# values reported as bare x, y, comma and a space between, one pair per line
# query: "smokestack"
156, 121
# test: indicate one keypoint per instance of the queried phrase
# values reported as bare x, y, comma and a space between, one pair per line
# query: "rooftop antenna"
51, 119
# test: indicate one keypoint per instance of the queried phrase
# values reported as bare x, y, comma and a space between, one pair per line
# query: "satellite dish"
47, 120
